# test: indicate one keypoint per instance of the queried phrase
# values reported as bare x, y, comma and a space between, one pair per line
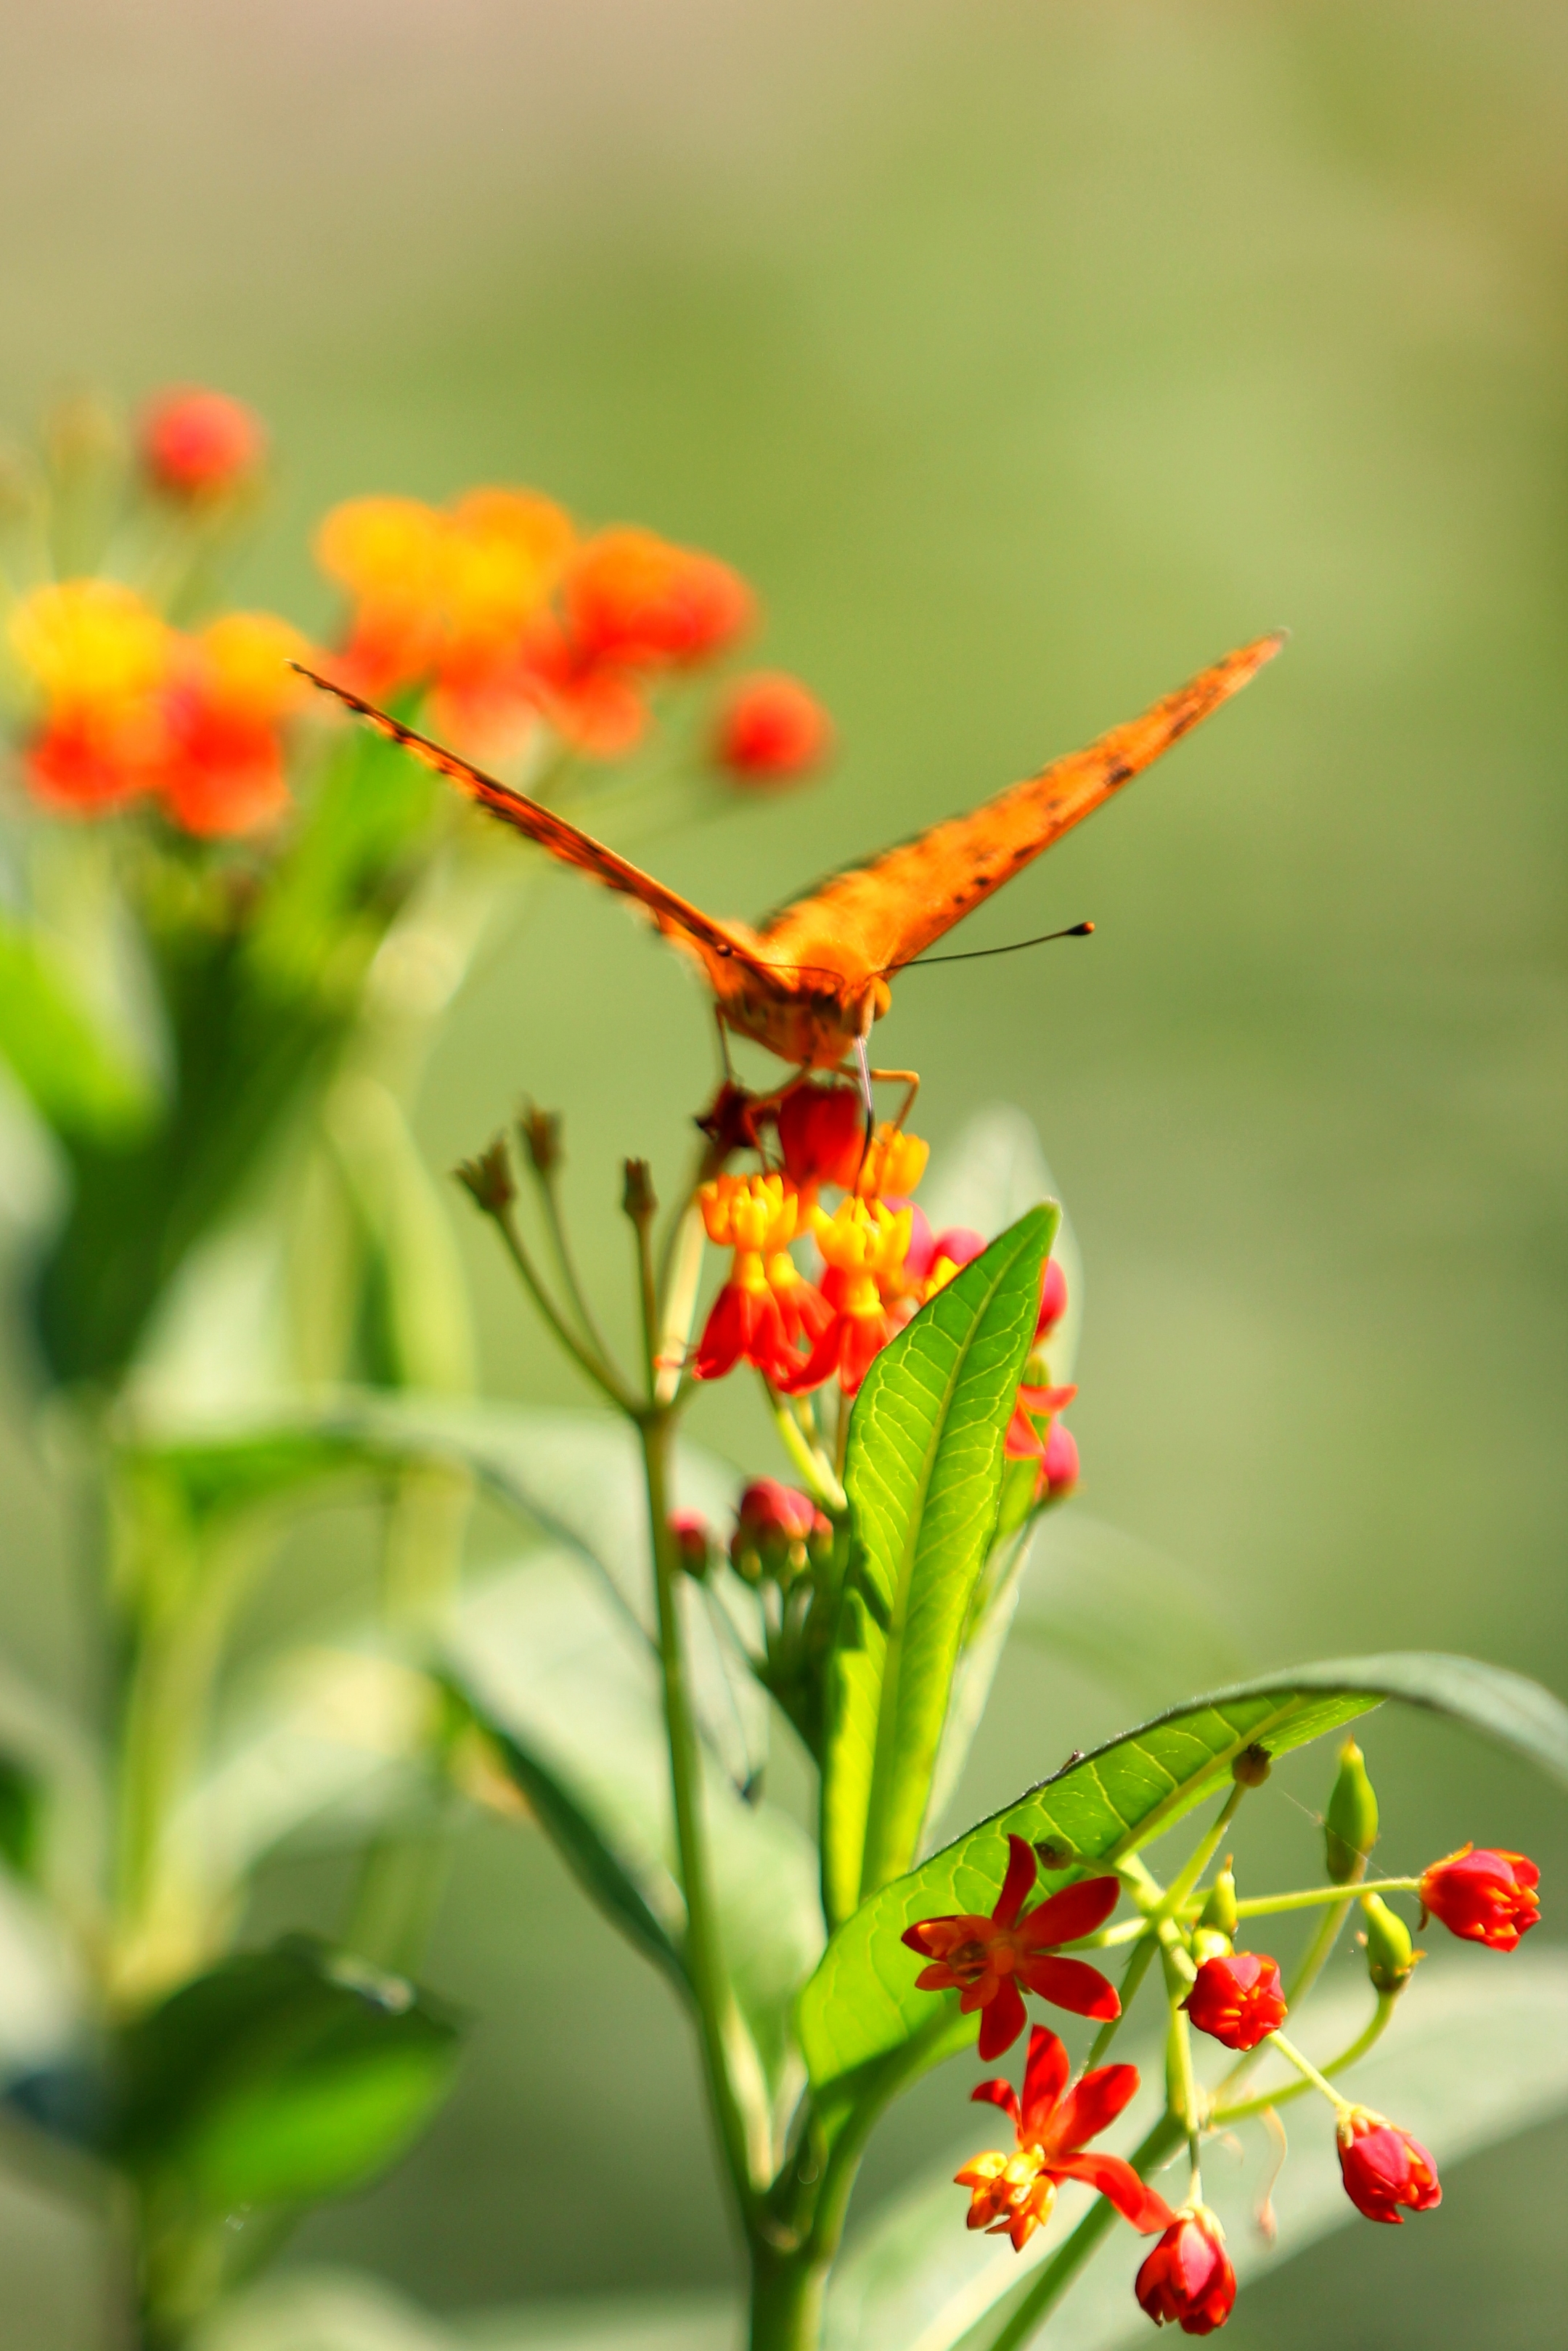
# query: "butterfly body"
809, 984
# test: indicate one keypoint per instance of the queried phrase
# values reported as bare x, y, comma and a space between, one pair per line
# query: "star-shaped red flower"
1013, 2195
987, 1959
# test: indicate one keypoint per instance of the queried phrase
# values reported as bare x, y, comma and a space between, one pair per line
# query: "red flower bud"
1384, 2168
1188, 2280
770, 730
1236, 2000
197, 445
1059, 1464
821, 1133
1483, 1897
774, 1524
1053, 1298
693, 1542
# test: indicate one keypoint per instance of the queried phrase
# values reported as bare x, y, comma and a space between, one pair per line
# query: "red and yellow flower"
770, 730
1187, 2281
862, 1243
767, 1310
986, 1958
1013, 2195
200, 446
1384, 2168
1483, 1896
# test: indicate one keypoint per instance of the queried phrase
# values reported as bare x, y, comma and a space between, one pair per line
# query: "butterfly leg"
909, 1078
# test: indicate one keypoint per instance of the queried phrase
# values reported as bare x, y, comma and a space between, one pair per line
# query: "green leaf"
922, 1474
544, 1656
280, 2077
579, 1476
55, 1051
1476, 2053
860, 2007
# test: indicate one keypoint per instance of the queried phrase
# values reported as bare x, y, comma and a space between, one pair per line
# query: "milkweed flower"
693, 1542
1187, 2281
1237, 1998
633, 599
987, 1959
863, 1245
223, 772
821, 1136
1384, 2168
774, 1527
1058, 1465
200, 445
97, 659
766, 1307
893, 1164
1013, 2195
1483, 1896
770, 730
1024, 1441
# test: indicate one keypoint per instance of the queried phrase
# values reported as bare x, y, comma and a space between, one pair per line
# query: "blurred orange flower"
200, 445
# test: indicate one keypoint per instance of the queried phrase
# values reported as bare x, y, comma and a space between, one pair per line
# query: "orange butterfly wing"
720, 947
875, 918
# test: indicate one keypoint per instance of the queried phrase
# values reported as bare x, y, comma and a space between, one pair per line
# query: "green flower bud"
1389, 1958
1350, 1824
1214, 1936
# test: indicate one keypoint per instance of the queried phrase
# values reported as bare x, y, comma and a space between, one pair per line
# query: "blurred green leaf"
862, 2006
1093, 1598
280, 2076
922, 1474
211, 1481
60, 1057
547, 1658
1475, 2054
579, 1476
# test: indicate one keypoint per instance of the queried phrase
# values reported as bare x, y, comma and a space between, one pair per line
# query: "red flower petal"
1073, 1985
1076, 1911
1119, 2185
1022, 1871
1002, 2019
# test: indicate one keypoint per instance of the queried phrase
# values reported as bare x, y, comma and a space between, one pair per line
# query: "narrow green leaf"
862, 2007
279, 2077
1476, 2053
924, 1476
543, 1654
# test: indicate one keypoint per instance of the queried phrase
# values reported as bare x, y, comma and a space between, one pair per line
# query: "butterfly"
809, 983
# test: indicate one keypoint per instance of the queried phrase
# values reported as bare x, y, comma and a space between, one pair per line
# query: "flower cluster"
880, 1261
511, 619
123, 707
1234, 1998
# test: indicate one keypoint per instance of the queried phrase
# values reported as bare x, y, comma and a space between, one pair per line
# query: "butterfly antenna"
973, 954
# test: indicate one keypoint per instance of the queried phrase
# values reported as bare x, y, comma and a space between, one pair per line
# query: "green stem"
1136, 1969
1310, 2077
1223, 2116
817, 1476
1265, 1905
560, 1248
599, 1373
704, 1959
1202, 1854
1064, 2265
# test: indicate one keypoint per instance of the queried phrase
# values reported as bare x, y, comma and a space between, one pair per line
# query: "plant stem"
1136, 1969
1064, 2265
602, 1377
820, 1481
1203, 1852
1223, 2116
704, 1959
1265, 1905
1310, 2077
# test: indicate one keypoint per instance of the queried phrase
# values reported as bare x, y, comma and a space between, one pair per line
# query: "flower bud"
821, 1133
1058, 1465
1236, 2000
774, 1526
1188, 2278
770, 730
1053, 1298
540, 1133
693, 1542
1251, 1767
637, 1197
489, 1179
1215, 1928
1350, 1823
1389, 1958
198, 445
1384, 2168
1483, 1897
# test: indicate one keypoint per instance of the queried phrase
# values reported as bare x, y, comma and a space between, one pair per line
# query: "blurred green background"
1025, 356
